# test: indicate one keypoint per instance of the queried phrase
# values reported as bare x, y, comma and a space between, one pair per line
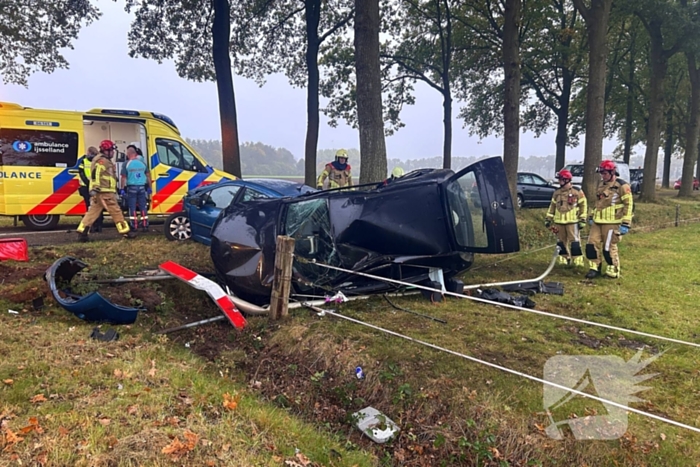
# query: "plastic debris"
359, 373
377, 426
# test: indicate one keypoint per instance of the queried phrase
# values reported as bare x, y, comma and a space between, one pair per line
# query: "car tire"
41, 222
178, 227
520, 202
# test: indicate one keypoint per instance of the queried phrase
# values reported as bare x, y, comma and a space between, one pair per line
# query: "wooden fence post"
282, 279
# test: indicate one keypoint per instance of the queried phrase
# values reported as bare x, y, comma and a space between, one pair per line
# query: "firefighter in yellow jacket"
610, 219
568, 210
103, 189
337, 172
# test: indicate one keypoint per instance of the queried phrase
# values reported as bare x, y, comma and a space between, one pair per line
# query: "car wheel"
520, 201
41, 222
178, 227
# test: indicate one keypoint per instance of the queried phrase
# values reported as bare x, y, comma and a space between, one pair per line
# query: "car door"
528, 188
483, 219
542, 190
203, 216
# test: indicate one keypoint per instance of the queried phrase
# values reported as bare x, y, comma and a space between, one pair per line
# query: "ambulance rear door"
39, 152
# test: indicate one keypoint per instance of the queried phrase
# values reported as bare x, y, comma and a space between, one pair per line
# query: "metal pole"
678, 214
191, 325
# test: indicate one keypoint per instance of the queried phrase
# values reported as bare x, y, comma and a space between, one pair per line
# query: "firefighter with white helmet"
337, 172
610, 219
568, 211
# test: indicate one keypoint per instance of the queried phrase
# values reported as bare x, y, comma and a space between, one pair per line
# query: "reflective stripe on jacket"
336, 178
84, 171
103, 177
613, 203
568, 206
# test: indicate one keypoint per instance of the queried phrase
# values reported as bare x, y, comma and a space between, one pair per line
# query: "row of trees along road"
604, 68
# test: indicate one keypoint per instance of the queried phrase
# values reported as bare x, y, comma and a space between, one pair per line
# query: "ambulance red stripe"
56, 198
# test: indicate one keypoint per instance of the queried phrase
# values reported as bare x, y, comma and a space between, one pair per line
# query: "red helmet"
107, 145
564, 174
607, 166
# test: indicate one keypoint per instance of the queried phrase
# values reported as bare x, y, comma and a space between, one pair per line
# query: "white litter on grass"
13, 312
377, 426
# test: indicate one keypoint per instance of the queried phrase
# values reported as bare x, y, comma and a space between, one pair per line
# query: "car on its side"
533, 190
696, 184
202, 205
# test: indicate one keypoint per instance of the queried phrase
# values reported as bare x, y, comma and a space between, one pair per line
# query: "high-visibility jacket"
103, 175
568, 206
337, 178
613, 203
84, 171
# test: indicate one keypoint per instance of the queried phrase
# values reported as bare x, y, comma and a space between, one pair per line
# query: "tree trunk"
659, 65
629, 108
369, 92
668, 149
221, 35
511, 107
563, 119
313, 16
447, 123
597, 17
693, 130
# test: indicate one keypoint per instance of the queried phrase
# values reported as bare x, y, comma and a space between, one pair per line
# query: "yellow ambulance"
40, 151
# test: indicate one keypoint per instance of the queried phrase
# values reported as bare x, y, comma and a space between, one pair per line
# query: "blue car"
203, 205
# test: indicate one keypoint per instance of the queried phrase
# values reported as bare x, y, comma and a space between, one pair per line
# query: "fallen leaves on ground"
231, 402
9, 382
177, 448
38, 398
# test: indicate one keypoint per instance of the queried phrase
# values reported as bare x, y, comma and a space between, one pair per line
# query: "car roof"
283, 187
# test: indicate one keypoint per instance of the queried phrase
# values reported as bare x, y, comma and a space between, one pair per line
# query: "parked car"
202, 205
636, 179
696, 184
534, 190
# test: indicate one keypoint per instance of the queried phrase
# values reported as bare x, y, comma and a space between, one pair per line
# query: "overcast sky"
102, 75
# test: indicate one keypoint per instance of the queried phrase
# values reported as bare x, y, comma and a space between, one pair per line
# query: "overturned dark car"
412, 228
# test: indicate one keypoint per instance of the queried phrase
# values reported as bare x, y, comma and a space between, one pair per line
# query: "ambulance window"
38, 148
174, 154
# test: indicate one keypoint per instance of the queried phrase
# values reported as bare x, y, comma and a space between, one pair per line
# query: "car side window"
251, 194
527, 179
221, 197
538, 180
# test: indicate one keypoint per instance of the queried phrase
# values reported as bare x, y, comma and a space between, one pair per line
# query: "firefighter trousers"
569, 240
602, 243
99, 202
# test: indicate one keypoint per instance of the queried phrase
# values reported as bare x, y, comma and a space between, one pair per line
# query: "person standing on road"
103, 188
84, 180
136, 182
610, 219
568, 211
337, 172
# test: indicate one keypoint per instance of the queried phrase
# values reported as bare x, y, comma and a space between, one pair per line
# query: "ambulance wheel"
41, 222
178, 227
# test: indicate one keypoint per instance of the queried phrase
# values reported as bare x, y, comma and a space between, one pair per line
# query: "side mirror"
197, 201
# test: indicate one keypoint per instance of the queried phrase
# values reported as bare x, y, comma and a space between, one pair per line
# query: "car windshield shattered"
405, 228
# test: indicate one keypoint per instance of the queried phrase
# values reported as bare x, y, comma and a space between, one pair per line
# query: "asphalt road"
65, 233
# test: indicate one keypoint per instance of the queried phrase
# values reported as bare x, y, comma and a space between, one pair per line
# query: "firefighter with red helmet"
568, 211
610, 219
103, 189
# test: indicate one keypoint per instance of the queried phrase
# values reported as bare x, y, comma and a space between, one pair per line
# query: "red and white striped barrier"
222, 300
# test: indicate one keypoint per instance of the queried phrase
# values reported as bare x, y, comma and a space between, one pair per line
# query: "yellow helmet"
341, 153
397, 172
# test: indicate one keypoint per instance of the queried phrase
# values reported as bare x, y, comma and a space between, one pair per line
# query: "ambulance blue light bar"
130, 113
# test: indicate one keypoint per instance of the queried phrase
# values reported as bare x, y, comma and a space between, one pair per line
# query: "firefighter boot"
578, 261
83, 237
612, 271
593, 272
130, 234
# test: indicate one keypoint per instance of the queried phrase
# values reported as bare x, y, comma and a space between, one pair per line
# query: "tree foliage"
32, 35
